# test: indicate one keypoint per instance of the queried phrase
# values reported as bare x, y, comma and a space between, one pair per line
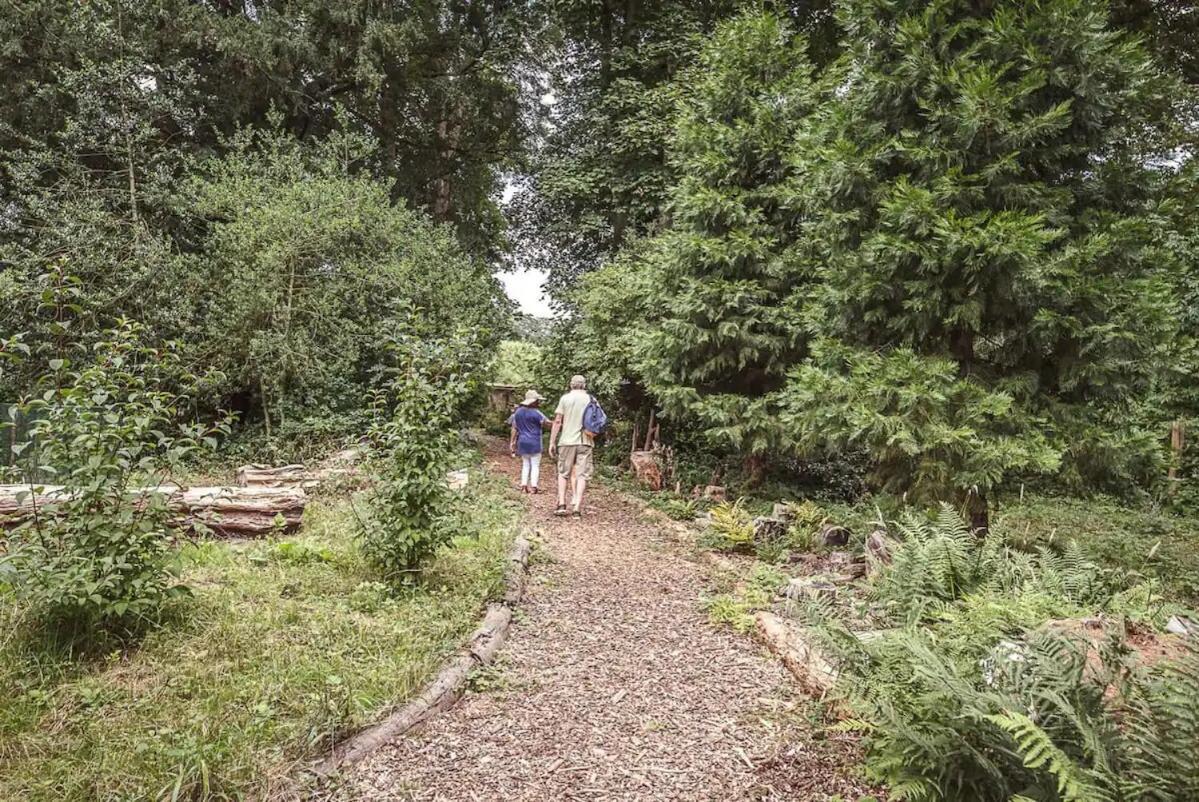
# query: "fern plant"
941, 560
732, 528
974, 698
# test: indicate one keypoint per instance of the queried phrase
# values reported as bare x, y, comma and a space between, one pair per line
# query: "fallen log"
259, 475
227, 511
802, 657
242, 511
450, 683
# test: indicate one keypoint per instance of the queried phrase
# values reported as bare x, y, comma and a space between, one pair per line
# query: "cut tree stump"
227, 511
646, 469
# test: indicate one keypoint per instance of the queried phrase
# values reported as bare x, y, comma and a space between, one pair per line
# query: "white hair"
577, 382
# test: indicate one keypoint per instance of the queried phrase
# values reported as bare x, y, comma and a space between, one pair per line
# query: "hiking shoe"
576, 513
560, 511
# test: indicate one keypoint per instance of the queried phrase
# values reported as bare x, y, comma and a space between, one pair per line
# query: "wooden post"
633, 442
1177, 443
649, 431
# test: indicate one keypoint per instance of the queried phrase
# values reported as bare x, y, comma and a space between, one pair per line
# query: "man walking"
572, 445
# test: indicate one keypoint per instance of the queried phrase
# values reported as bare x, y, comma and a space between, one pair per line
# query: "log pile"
227, 511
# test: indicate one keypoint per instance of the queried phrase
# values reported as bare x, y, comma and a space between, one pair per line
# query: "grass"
286, 646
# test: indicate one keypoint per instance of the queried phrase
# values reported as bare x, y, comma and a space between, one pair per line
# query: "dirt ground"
614, 686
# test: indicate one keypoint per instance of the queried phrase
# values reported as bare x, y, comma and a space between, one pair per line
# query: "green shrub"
97, 561
941, 561
806, 520
1045, 717
680, 509
411, 511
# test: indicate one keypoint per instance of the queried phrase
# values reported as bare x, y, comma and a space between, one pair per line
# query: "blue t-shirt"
528, 429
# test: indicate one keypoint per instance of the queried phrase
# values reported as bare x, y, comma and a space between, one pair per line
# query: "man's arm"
512, 441
557, 427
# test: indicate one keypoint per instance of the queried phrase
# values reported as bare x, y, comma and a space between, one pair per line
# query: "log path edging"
447, 687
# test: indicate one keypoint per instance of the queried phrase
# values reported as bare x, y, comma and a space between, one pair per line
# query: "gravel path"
613, 686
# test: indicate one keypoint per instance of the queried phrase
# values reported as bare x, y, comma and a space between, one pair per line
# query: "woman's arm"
512, 441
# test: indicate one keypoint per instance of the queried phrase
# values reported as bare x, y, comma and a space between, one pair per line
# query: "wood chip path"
613, 686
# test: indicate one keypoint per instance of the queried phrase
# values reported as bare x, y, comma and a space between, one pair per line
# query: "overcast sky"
524, 287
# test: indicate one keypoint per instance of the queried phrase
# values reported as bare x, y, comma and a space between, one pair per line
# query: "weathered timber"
227, 511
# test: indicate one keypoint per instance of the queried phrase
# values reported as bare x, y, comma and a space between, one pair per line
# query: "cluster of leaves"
411, 511
94, 559
976, 696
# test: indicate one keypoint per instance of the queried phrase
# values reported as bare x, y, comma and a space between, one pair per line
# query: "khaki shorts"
578, 457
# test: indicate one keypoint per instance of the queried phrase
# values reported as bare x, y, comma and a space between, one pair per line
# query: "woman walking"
527, 422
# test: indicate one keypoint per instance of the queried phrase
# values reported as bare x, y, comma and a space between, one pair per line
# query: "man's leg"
582, 474
566, 461
580, 489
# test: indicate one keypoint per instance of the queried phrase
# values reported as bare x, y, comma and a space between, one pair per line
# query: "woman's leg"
534, 470
526, 467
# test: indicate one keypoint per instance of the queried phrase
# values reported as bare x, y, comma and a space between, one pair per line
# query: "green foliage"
301, 265
726, 333
1045, 717
941, 561
516, 363
96, 560
959, 221
927, 429
1141, 544
731, 528
602, 177
680, 509
274, 660
939, 250
411, 511
975, 696
806, 520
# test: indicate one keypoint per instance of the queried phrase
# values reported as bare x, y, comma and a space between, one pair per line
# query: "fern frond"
1040, 753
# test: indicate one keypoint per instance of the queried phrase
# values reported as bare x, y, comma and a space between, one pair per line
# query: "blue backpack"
595, 420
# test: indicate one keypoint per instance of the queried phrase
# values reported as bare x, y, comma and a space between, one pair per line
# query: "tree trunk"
1177, 443
755, 469
977, 512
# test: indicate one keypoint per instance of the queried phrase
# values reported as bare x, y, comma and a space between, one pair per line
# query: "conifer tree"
724, 270
981, 196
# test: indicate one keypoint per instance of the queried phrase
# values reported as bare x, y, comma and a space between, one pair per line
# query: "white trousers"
530, 470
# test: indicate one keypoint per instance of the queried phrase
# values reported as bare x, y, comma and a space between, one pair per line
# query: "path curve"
612, 686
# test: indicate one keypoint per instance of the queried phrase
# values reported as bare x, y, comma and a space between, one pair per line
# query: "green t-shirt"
571, 407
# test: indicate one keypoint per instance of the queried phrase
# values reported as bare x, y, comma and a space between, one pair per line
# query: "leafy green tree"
601, 176
429, 377
434, 83
726, 270
516, 363
302, 263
